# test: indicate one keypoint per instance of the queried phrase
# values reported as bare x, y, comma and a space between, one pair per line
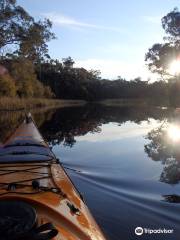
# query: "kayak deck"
30, 172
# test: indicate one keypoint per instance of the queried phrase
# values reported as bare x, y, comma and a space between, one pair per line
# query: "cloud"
62, 20
113, 68
153, 19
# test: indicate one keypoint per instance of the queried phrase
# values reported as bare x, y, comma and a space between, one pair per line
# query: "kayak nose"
28, 118
34, 182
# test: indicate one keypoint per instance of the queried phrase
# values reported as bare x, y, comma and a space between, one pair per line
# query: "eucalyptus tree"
160, 56
20, 34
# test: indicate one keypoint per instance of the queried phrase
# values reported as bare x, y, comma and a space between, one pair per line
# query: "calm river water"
124, 160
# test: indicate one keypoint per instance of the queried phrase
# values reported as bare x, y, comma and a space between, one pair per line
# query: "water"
124, 160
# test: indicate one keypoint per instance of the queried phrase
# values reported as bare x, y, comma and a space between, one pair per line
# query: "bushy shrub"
48, 92
7, 86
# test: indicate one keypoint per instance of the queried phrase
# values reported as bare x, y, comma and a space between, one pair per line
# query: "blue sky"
110, 36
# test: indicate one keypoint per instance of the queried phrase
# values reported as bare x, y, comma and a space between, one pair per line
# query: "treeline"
68, 82
26, 69
62, 80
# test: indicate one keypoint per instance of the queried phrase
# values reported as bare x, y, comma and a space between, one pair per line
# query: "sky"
107, 35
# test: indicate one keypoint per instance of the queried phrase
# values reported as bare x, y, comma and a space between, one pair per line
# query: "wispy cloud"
66, 21
152, 19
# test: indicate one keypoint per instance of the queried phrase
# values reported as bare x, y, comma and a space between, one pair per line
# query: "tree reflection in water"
164, 146
62, 126
68, 123
10, 120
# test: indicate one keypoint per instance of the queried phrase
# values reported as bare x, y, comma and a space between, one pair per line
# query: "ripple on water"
130, 203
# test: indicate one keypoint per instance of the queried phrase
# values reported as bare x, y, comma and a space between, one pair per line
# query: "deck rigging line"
11, 187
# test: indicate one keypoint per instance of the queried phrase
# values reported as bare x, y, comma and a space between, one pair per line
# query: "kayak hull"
39, 179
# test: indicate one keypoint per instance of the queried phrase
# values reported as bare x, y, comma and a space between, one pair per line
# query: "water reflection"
173, 132
68, 123
9, 120
164, 146
65, 125
122, 174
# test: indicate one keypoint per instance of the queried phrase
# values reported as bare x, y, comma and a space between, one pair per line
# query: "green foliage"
25, 79
48, 92
23, 72
34, 45
27, 40
68, 82
39, 90
78, 83
22, 32
7, 86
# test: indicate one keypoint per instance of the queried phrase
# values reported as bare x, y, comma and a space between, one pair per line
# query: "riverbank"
15, 104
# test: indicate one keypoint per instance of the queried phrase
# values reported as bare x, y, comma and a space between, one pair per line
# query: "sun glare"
174, 67
174, 133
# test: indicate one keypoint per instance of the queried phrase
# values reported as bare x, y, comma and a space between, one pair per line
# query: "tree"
160, 55
20, 31
22, 71
50, 74
171, 25
25, 78
48, 92
95, 74
68, 62
34, 45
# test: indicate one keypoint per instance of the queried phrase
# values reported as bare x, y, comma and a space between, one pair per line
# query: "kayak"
38, 200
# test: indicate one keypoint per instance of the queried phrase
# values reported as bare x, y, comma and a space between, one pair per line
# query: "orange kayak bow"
37, 198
